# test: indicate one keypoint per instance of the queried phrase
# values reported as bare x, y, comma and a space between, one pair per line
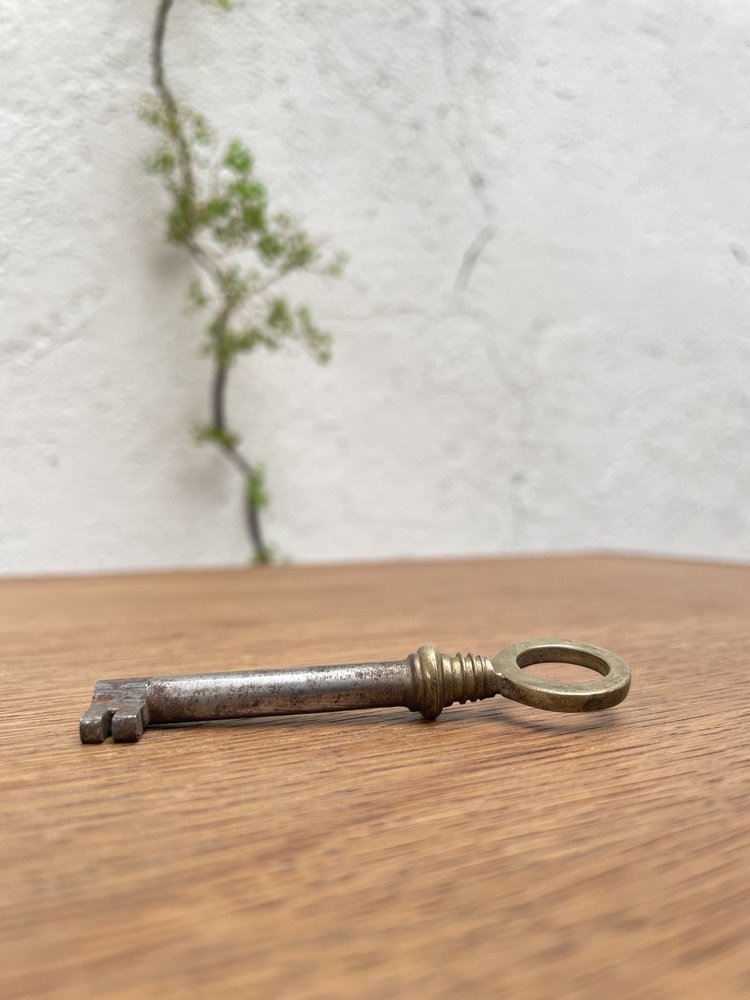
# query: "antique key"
426, 681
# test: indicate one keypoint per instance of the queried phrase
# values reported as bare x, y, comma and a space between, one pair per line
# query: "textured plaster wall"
585, 384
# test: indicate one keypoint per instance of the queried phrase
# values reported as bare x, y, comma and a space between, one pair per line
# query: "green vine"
218, 212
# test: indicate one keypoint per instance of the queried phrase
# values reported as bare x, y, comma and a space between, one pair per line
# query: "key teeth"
95, 725
128, 723
119, 709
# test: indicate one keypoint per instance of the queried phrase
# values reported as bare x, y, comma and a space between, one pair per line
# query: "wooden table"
497, 852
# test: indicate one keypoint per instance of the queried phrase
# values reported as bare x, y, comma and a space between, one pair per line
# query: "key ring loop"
559, 696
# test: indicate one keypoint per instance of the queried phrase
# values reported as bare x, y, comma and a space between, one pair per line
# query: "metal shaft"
279, 692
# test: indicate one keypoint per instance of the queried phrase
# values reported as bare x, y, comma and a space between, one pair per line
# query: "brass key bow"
426, 681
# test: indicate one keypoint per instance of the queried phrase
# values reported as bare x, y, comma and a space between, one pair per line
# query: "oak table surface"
497, 851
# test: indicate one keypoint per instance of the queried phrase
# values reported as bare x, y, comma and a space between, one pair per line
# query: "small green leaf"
215, 208
279, 316
215, 435
201, 131
196, 294
234, 285
270, 247
181, 218
161, 162
335, 267
256, 488
266, 556
317, 340
238, 158
299, 253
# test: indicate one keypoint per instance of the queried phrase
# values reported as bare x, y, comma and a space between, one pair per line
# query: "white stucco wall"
588, 385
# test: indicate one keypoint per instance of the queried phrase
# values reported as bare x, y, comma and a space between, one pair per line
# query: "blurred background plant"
219, 213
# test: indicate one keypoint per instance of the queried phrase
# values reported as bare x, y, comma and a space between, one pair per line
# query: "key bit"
426, 681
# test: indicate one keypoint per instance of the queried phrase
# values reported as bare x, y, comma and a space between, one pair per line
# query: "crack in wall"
460, 146
56, 329
471, 255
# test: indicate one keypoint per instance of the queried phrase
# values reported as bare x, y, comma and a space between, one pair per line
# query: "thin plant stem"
218, 428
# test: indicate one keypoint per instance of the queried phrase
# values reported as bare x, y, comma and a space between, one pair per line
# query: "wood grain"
498, 851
